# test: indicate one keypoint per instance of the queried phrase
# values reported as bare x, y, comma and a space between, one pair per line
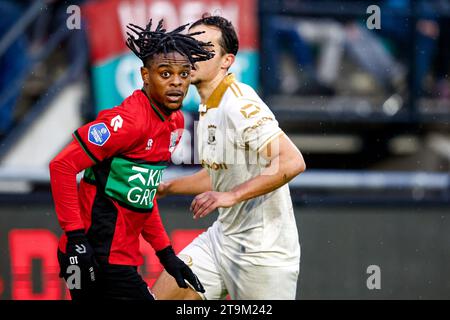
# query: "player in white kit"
252, 250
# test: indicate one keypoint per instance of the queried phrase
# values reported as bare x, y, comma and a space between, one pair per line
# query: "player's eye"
185, 74
165, 74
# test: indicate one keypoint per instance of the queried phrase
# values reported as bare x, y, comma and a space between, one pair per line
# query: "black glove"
178, 269
79, 252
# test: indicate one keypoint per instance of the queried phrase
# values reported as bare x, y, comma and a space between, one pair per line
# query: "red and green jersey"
131, 145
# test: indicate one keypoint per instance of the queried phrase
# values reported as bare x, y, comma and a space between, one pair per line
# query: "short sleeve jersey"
234, 126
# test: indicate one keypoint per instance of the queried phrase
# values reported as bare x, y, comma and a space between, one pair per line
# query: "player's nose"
177, 81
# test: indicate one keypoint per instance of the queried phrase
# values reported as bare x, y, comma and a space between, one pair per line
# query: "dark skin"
166, 79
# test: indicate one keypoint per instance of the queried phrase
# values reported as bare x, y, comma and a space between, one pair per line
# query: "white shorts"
222, 273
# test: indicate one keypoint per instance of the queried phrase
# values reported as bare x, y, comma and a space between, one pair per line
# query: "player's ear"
145, 74
228, 60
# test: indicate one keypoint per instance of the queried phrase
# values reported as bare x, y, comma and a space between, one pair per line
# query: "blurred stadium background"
369, 109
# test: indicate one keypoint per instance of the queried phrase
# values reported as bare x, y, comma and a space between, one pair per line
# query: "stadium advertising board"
29, 268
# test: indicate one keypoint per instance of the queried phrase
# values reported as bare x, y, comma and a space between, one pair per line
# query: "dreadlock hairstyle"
149, 43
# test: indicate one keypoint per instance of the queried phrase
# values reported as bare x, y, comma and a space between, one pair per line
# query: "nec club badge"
173, 140
98, 134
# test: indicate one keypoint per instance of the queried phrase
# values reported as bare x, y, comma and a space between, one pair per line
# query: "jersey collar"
215, 98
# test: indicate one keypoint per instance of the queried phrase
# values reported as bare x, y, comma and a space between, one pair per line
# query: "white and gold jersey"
234, 125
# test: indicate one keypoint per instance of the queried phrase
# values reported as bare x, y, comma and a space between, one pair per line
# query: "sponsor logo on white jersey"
250, 110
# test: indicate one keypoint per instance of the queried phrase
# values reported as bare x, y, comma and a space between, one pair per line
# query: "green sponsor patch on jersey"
134, 184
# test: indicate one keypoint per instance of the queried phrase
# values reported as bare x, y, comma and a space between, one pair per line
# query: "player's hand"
207, 202
178, 269
163, 190
79, 252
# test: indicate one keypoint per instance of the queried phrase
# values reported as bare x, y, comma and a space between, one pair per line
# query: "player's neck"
206, 88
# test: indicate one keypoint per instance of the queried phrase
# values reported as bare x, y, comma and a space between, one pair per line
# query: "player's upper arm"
113, 132
281, 153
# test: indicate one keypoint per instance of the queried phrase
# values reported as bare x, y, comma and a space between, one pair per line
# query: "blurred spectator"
370, 53
13, 62
282, 34
330, 36
381, 53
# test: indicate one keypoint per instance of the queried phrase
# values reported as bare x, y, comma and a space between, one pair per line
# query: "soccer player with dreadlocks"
252, 250
124, 152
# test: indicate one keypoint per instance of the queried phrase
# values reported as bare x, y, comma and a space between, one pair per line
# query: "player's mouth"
174, 95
